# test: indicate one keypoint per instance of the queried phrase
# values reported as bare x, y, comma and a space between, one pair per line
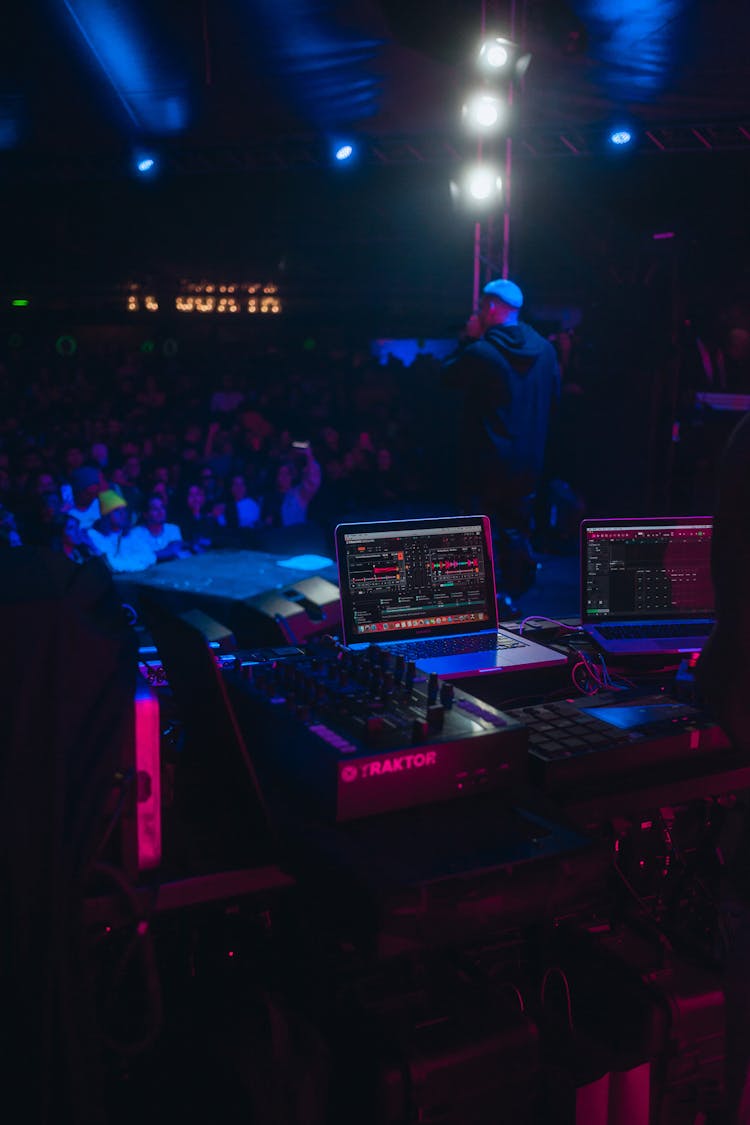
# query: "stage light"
480, 186
145, 164
20, 303
484, 112
483, 183
496, 53
343, 151
621, 137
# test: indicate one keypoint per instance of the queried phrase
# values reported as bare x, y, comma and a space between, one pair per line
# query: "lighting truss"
296, 152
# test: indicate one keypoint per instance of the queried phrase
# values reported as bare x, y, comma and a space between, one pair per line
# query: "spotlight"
496, 52
484, 111
621, 137
145, 164
481, 185
343, 152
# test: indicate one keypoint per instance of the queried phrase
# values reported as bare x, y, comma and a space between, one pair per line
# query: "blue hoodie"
511, 383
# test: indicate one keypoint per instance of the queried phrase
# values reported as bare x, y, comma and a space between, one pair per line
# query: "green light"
20, 303
66, 346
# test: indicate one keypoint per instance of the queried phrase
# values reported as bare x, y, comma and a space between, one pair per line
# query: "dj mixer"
364, 733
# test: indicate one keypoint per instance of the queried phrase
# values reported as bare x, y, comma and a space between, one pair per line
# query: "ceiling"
251, 86
90, 76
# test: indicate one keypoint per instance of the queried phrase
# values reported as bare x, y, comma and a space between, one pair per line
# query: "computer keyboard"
451, 646
635, 632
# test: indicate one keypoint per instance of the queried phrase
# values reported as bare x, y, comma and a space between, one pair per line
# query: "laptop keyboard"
453, 646
636, 632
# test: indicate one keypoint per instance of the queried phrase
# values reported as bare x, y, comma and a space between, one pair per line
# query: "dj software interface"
426, 578
648, 571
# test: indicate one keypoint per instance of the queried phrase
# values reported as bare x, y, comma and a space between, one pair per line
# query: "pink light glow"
661, 235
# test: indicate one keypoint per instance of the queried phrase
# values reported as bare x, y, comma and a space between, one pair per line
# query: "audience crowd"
143, 458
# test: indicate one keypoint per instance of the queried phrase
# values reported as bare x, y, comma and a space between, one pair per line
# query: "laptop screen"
646, 569
401, 579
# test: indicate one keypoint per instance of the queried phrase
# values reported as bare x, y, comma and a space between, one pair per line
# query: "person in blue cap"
510, 381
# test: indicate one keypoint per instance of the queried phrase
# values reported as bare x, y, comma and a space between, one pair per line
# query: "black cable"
648, 912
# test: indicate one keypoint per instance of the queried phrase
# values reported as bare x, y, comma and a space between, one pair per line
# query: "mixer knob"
398, 668
432, 687
409, 673
446, 695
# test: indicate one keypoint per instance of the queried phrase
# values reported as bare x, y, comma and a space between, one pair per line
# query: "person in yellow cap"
111, 535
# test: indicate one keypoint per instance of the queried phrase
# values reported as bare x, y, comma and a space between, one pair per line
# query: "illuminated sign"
230, 298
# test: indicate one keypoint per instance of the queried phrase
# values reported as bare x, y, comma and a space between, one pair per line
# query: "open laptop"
646, 584
425, 589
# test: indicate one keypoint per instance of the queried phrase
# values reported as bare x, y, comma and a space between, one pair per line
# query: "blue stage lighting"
344, 152
145, 164
150, 88
621, 137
